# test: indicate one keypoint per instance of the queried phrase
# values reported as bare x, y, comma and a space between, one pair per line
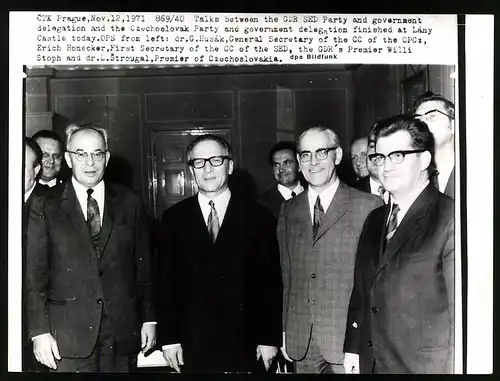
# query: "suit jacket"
450, 185
219, 300
272, 200
403, 298
318, 273
363, 184
68, 284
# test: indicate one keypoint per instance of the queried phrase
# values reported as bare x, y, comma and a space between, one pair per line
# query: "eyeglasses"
431, 115
215, 161
82, 155
56, 156
320, 154
396, 157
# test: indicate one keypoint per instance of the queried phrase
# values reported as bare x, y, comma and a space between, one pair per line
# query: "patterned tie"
319, 213
213, 222
393, 223
93, 219
383, 195
294, 194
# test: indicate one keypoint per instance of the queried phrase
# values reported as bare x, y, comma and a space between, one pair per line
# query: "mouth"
90, 173
315, 170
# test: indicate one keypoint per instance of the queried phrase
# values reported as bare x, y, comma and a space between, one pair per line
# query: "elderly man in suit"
220, 307
402, 304
359, 146
318, 233
88, 277
439, 114
283, 159
52, 148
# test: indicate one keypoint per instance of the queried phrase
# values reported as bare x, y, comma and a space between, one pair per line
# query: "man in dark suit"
402, 304
52, 148
283, 159
439, 114
220, 307
88, 283
318, 233
359, 146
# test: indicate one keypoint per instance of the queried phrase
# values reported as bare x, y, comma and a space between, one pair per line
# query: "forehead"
208, 148
315, 140
87, 139
285, 154
359, 145
29, 154
398, 141
430, 105
49, 144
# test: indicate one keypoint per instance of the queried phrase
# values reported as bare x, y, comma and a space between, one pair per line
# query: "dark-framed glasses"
432, 114
320, 154
215, 161
396, 157
82, 155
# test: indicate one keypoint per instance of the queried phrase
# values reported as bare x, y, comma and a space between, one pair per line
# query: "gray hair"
74, 128
331, 134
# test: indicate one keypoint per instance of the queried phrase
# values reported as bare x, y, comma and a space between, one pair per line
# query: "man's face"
285, 168
372, 168
441, 126
358, 157
30, 169
51, 159
89, 171
400, 179
211, 180
319, 173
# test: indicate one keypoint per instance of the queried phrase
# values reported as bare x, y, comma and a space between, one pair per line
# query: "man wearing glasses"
318, 233
439, 114
402, 304
88, 277
359, 147
220, 304
52, 148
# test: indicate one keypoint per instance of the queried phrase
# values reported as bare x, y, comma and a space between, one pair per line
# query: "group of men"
314, 274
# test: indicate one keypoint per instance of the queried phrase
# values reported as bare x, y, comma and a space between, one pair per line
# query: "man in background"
359, 147
52, 148
439, 114
283, 160
318, 233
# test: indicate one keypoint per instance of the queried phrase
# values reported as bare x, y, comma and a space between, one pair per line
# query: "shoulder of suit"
357, 194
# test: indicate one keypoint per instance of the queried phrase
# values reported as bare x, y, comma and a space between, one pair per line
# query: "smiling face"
88, 172
285, 168
211, 181
52, 158
320, 174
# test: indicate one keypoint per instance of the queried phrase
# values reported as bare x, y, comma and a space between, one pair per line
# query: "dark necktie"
393, 223
294, 194
319, 213
93, 219
213, 222
381, 192
433, 179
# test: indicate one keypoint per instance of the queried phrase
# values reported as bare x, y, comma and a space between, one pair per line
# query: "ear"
108, 155
338, 155
67, 157
425, 160
452, 127
37, 169
231, 167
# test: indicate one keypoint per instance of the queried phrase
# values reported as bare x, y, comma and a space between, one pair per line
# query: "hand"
173, 356
268, 353
351, 363
148, 337
45, 349
283, 349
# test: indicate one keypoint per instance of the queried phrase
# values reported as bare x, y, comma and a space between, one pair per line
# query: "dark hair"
430, 96
282, 146
31, 143
49, 134
421, 136
206, 137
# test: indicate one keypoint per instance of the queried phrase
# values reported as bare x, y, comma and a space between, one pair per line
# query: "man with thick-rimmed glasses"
220, 304
318, 232
88, 278
401, 310
439, 114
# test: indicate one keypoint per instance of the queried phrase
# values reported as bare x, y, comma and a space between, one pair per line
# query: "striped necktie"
393, 223
319, 213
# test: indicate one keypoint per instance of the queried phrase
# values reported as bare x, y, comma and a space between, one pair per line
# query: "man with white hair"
89, 292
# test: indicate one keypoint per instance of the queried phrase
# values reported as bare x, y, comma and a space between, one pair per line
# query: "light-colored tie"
213, 222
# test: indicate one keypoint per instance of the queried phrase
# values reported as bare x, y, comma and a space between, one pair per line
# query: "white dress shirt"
287, 192
406, 202
220, 204
374, 190
50, 183
28, 193
326, 197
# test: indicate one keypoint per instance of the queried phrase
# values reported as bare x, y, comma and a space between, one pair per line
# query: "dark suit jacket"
272, 200
68, 285
450, 185
363, 184
318, 273
219, 300
403, 298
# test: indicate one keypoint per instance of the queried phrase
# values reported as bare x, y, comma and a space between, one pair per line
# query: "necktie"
294, 194
213, 222
93, 219
434, 179
393, 223
382, 193
319, 213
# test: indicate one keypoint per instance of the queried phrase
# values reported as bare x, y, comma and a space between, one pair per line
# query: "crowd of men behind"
312, 276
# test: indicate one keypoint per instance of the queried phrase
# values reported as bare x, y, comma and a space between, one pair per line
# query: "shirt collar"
326, 195
81, 190
50, 183
221, 199
28, 193
374, 185
407, 201
287, 192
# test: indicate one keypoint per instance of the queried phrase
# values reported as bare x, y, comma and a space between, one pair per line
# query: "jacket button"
101, 272
99, 300
370, 344
313, 275
375, 310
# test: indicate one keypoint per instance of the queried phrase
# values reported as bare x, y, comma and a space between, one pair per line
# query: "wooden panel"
170, 107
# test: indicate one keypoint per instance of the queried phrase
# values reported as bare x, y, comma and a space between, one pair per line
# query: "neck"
321, 188
445, 155
215, 194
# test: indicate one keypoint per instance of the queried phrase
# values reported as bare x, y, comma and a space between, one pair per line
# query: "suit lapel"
197, 223
111, 202
302, 215
71, 206
337, 208
450, 186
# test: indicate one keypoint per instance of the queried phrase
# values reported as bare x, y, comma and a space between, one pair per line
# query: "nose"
208, 167
388, 165
90, 159
314, 159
